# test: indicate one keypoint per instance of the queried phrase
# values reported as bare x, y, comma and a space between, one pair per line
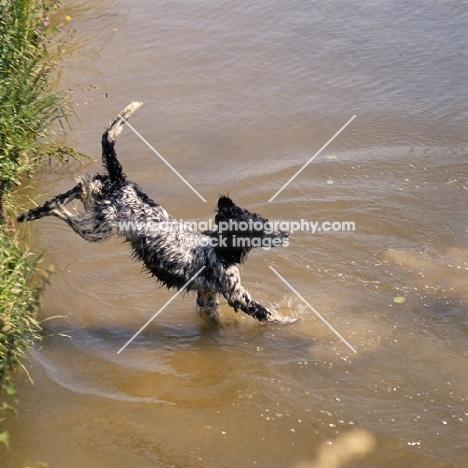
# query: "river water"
238, 97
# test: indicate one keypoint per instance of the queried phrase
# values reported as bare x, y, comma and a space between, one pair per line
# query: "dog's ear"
225, 202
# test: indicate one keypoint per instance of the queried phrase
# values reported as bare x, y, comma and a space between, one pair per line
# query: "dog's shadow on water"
117, 341
169, 360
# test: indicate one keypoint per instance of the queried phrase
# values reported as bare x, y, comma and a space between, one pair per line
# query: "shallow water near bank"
238, 97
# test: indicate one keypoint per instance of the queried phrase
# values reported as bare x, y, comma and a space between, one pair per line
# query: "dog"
205, 262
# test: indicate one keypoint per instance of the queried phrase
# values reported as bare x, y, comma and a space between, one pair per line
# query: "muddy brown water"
238, 96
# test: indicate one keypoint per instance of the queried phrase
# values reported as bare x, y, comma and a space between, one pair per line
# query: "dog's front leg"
239, 298
208, 305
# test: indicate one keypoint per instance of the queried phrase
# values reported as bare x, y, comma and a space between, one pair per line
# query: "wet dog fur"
207, 261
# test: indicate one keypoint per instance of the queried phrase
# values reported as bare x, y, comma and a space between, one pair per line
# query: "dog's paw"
23, 217
261, 314
209, 316
30, 215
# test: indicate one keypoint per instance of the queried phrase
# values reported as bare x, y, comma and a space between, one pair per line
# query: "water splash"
287, 311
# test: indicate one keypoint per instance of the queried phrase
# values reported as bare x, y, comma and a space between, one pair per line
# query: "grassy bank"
29, 107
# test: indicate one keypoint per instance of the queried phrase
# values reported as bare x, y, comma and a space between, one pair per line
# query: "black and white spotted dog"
173, 256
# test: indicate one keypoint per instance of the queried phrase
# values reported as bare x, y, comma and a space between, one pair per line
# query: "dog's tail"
109, 156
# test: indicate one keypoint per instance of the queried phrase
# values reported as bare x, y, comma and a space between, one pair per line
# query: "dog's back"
205, 262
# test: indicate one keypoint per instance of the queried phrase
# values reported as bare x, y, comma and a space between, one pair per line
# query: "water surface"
238, 96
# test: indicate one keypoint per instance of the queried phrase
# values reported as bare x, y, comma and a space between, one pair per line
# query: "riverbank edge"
29, 107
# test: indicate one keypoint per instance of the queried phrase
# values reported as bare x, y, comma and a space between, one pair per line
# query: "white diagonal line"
311, 159
313, 310
162, 159
160, 310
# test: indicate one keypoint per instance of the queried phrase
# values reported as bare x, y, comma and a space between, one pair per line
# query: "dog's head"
239, 231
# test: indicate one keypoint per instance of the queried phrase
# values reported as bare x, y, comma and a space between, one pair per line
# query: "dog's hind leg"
93, 225
52, 206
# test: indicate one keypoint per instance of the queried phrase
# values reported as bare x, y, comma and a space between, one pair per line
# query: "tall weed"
29, 106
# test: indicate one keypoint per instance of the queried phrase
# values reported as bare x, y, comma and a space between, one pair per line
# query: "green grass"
29, 108
29, 105
19, 299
